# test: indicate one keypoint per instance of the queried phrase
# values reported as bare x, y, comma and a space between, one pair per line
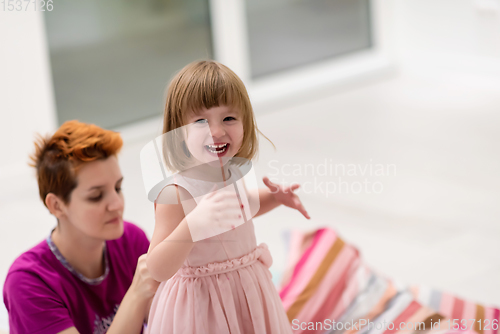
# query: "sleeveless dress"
224, 285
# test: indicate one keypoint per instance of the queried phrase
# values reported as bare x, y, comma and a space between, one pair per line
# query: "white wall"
26, 98
460, 33
26, 107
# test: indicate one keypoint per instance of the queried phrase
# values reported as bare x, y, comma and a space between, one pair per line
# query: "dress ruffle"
230, 297
260, 253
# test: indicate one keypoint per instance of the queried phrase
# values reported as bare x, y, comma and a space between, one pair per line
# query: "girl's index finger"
303, 211
301, 208
267, 181
269, 184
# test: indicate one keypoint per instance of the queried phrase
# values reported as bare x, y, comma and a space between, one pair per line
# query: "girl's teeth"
216, 148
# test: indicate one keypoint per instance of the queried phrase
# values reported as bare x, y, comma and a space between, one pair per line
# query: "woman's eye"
96, 199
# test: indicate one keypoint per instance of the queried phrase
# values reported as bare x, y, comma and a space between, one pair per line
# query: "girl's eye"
229, 118
118, 189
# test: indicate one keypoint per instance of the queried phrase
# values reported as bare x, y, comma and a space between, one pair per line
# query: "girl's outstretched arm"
171, 242
266, 199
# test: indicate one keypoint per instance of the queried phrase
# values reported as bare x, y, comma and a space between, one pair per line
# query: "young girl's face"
216, 134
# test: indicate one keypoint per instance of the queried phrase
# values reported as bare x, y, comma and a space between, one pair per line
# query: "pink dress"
224, 285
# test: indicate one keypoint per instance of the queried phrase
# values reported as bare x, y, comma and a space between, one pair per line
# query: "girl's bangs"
206, 95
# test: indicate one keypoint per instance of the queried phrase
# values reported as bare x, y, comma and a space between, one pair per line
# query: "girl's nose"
217, 130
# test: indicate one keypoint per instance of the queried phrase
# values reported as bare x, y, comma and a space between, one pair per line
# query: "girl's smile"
218, 150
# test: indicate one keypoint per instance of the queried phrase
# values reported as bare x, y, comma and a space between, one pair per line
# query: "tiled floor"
424, 146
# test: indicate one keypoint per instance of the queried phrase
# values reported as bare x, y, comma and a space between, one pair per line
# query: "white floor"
436, 220
431, 141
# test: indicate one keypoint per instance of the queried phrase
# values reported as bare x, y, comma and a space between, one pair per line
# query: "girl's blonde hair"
205, 84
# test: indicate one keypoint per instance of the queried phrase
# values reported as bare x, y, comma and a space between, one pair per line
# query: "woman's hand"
284, 195
143, 285
135, 305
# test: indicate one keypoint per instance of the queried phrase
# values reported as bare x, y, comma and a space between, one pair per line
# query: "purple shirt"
43, 297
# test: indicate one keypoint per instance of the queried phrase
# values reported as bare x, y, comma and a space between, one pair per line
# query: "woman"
90, 274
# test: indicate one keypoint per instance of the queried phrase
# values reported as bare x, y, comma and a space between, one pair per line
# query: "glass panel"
111, 60
288, 33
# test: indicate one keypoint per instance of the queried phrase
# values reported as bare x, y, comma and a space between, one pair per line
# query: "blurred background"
408, 88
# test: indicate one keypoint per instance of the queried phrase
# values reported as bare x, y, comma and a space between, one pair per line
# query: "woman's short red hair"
57, 159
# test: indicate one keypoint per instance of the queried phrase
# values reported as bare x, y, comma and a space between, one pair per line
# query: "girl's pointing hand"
285, 195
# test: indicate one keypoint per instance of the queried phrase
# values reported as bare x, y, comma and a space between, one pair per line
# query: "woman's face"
215, 135
96, 204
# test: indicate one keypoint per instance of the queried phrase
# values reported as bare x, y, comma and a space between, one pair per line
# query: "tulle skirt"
235, 296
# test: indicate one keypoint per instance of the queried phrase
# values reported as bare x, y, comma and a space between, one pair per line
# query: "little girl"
218, 283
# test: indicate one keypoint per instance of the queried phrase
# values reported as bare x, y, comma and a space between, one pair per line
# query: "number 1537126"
27, 5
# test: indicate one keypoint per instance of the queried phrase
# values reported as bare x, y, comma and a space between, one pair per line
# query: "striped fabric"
326, 280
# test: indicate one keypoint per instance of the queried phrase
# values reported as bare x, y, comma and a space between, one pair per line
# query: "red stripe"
496, 315
407, 313
333, 299
458, 309
301, 263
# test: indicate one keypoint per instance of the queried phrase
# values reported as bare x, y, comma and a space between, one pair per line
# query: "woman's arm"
129, 319
148, 308
171, 242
